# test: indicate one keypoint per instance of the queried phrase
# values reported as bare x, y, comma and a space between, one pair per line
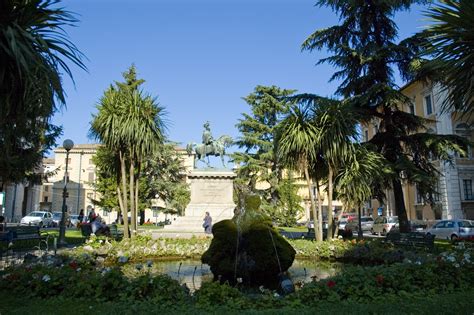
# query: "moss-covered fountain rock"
248, 249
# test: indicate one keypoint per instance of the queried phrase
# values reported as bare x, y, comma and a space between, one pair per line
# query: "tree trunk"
360, 233
119, 213
400, 206
339, 216
311, 195
124, 196
330, 223
137, 201
319, 236
133, 212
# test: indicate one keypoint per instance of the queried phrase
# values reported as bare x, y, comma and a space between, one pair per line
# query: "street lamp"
68, 145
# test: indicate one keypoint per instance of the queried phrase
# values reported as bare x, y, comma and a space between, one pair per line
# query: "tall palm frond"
451, 44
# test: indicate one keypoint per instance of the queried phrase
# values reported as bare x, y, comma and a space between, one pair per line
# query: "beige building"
81, 174
455, 198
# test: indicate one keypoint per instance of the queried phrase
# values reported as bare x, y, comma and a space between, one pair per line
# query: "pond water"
193, 273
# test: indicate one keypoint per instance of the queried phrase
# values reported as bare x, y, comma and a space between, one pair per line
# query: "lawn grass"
294, 229
453, 303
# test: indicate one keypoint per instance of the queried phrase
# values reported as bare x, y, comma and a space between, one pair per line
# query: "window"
428, 105
439, 225
411, 108
436, 195
46, 188
91, 177
419, 196
91, 162
467, 184
46, 199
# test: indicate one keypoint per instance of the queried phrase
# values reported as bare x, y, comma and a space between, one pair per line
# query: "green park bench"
412, 239
22, 233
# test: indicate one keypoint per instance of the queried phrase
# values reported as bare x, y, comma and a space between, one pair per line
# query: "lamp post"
68, 145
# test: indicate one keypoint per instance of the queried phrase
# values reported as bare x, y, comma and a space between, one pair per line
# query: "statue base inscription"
211, 191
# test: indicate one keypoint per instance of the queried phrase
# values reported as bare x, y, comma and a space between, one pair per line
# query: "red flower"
379, 279
73, 265
331, 284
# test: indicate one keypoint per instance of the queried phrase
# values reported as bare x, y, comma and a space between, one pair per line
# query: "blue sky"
199, 58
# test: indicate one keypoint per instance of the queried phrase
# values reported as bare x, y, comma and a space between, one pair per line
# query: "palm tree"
451, 44
356, 178
298, 149
34, 50
336, 124
130, 124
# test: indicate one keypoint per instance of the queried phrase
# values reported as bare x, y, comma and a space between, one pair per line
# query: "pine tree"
259, 163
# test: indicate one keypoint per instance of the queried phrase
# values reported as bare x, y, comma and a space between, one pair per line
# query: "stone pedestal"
211, 191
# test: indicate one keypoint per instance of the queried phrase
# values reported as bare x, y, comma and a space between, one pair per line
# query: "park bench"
412, 239
310, 234
23, 233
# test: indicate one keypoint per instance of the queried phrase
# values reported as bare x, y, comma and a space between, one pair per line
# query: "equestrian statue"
209, 146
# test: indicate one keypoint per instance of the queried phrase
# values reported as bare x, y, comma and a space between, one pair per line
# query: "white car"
40, 218
452, 229
383, 225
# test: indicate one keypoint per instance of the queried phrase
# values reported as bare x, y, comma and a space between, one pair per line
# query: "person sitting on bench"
99, 227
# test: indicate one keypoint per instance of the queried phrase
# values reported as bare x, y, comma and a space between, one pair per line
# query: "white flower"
46, 278
78, 269
456, 265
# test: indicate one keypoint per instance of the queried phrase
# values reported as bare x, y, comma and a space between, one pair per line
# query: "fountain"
248, 251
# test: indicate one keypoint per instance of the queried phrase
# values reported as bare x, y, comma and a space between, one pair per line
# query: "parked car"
366, 224
415, 226
382, 225
57, 218
40, 218
452, 229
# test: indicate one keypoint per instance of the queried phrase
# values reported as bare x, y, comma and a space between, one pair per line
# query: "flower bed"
447, 272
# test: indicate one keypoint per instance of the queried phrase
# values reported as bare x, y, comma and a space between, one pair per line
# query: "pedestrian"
80, 217
207, 224
92, 215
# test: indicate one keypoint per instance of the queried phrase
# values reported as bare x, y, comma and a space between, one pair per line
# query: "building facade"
81, 175
454, 198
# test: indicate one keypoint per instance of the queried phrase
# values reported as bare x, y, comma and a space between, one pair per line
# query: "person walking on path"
207, 224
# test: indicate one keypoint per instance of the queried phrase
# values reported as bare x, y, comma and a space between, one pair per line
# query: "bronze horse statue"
215, 148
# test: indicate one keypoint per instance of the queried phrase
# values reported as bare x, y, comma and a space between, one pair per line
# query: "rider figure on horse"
206, 135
